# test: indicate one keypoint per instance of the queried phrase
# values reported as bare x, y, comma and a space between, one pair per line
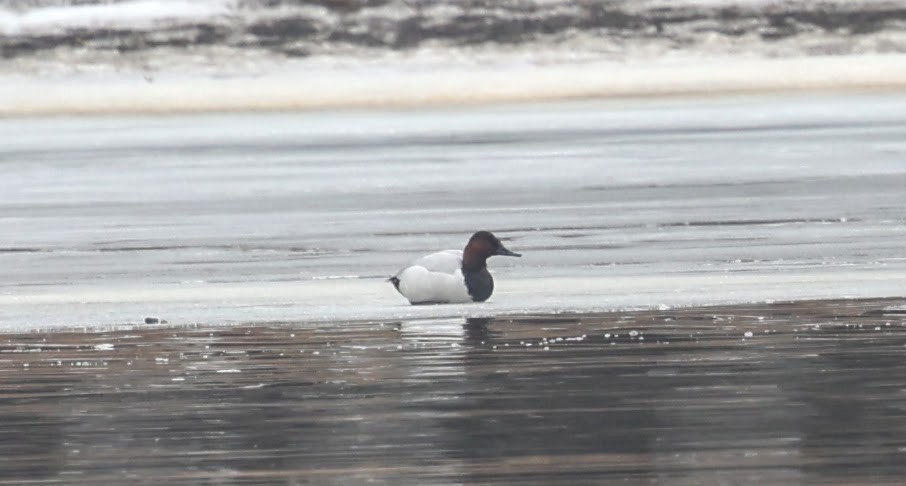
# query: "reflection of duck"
477, 331
452, 276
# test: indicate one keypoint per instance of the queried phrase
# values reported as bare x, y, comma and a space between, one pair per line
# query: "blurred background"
315, 53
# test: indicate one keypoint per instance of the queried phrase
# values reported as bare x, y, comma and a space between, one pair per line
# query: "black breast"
479, 283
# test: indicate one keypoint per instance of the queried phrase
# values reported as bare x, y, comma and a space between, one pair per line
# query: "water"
795, 393
260, 238
245, 35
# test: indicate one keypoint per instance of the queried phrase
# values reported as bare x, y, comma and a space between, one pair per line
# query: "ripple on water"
705, 396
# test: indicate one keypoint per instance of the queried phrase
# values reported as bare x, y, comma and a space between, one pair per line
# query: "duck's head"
480, 247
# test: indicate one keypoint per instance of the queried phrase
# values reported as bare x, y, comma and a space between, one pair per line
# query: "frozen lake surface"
265, 241
241, 218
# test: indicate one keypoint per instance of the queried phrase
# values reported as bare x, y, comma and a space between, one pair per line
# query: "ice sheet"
429, 82
260, 217
176, 56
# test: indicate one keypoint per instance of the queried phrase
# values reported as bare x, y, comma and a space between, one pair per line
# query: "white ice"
130, 14
625, 204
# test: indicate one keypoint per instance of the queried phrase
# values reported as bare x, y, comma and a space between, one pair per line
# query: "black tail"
395, 281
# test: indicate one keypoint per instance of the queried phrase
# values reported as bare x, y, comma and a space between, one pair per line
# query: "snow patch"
140, 14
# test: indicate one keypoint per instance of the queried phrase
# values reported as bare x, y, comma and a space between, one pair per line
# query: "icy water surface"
302, 216
801, 393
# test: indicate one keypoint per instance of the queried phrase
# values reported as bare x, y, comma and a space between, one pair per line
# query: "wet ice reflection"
783, 393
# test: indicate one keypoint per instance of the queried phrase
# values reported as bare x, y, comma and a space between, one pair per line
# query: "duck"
452, 276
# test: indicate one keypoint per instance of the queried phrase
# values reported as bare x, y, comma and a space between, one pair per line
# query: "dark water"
293, 29
816, 394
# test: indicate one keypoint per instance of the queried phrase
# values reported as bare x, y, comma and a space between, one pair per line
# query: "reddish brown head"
480, 247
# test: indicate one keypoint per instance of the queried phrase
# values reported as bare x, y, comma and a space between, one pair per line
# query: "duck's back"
446, 261
434, 278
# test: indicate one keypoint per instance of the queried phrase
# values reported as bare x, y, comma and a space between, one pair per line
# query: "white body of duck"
452, 276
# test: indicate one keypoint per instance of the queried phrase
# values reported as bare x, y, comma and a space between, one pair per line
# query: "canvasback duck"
452, 276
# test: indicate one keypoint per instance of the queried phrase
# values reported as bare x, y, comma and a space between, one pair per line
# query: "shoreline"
316, 302
413, 84
870, 306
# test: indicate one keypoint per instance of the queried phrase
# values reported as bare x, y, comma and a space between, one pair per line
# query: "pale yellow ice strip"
410, 86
